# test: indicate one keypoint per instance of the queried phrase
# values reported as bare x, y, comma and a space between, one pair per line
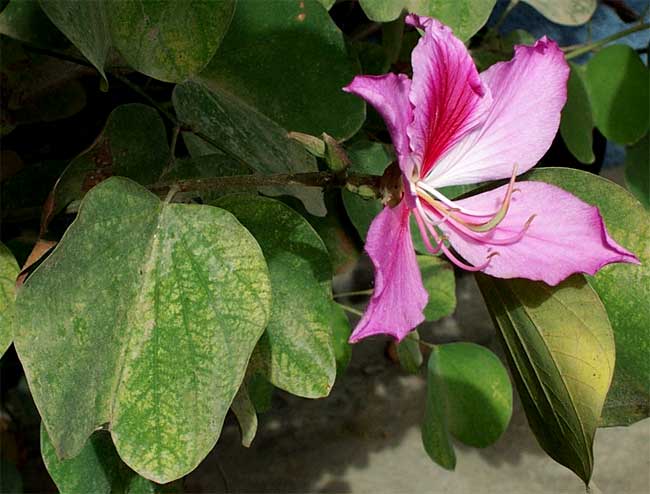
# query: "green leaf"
369, 158
618, 86
296, 352
577, 123
361, 211
623, 288
242, 133
133, 144
465, 17
496, 48
566, 13
97, 469
435, 427
8, 272
24, 20
244, 411
560, 347
637, 170
167, 39
340, 333
288, 60
164, 39
409, 353
478, 392
144, 317
440, 284
468, 395
86, 26
260, 392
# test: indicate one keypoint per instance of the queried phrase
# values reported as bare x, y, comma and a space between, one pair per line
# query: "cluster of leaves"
155, 315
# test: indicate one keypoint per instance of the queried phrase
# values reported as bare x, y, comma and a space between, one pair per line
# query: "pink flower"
451, 125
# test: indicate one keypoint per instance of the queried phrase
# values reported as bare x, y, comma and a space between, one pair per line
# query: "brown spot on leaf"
103, 159
301, 17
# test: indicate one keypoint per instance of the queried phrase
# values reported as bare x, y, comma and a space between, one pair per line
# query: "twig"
575, 51
309, 179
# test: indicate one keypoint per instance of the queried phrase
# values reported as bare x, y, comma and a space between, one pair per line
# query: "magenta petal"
398, 298
566, 235
528, 95
447, 94
389, 95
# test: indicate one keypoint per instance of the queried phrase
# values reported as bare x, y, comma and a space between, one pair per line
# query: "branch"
310, 179
577, 50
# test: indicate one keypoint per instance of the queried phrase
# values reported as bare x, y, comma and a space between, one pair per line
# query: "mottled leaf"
161, 306
465, 17
637, 170
288, 60
167, 39
560, 347
623, 288
571, 13
8, 272
296, 352
164, 39
618, 85
577, 124
242, 133
97, 469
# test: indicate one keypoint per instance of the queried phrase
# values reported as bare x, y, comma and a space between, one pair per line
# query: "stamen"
501, 214
461, 264
452, 204
496, 241
423, 233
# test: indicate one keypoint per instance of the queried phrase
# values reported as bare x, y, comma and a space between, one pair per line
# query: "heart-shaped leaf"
623, 288
296, 352
560, 347
144, 318
465, 17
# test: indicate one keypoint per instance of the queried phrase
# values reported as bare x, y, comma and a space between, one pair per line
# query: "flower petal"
528, 95
566, 236
389, 95
399, 297
447, 94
